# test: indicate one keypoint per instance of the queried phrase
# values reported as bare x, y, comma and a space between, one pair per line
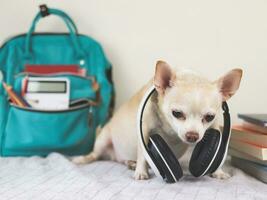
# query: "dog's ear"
163, 76
229, 83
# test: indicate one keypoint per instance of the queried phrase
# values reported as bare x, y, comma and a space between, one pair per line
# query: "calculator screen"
47, 87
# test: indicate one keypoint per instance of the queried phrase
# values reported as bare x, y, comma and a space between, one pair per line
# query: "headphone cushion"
167, 163
204, 152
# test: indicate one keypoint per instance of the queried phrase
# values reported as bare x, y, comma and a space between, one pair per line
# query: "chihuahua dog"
183, 108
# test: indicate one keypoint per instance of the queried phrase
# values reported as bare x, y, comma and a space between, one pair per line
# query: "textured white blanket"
56, 178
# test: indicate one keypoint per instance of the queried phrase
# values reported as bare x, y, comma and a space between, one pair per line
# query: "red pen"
24, 86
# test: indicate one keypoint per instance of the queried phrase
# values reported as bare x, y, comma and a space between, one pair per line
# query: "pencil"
13, 96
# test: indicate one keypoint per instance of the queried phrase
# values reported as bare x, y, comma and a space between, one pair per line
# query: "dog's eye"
178, 114
209, 117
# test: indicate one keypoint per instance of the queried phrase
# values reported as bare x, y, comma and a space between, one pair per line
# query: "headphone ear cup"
164, 159
204, 152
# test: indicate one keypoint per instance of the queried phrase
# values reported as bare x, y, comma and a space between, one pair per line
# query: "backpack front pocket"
32, 132
80, 87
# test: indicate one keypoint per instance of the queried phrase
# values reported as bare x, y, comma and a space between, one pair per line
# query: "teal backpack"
25, 131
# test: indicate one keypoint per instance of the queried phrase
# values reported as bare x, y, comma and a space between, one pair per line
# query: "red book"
239, 132
55, 69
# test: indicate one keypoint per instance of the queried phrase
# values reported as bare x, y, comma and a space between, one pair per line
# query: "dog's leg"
141, 171
102, 144
219, 173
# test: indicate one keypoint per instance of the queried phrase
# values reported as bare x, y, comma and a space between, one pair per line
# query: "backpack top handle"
44, 11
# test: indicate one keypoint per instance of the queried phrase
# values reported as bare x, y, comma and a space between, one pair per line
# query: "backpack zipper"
84, 105
91, 78
34, 34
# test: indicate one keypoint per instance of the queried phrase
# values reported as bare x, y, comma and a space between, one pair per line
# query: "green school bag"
25, 131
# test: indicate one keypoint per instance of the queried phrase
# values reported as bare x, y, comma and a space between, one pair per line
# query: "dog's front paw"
220, 174
141, 175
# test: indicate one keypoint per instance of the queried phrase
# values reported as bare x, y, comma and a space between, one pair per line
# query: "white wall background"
210, 36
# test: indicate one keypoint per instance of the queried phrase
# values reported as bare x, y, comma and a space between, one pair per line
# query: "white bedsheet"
56, 178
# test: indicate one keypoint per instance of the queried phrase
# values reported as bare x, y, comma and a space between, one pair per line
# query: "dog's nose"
191, 136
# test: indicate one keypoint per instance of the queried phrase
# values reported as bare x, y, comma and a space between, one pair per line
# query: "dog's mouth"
191, 142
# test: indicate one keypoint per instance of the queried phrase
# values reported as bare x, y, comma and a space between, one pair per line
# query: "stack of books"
248, 145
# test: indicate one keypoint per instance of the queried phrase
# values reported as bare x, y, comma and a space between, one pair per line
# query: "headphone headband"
145, 99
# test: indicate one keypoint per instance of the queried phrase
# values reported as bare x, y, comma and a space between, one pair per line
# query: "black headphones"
207, 156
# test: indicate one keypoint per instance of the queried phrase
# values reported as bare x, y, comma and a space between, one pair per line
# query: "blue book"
257, 119
257, 170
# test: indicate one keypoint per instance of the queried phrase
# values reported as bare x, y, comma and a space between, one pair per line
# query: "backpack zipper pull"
90, 116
